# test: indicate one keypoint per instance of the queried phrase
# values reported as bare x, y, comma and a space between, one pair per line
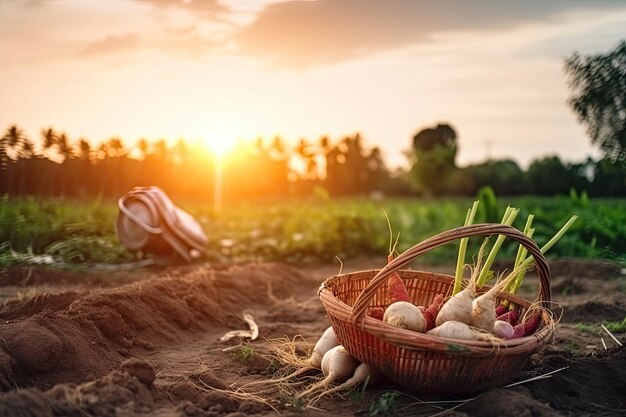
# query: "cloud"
111, 44
301, 34
207, 8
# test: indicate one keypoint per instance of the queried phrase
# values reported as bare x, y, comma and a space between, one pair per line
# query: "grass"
385, 405
572, 348
243, 353
616, 326
596, 330
307, 230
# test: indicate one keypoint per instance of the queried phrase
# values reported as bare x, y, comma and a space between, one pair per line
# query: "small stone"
139, 368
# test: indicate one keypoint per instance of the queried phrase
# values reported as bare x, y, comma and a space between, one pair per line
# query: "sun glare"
219, 147
220, 143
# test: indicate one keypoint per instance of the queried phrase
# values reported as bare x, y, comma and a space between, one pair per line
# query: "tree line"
271, 168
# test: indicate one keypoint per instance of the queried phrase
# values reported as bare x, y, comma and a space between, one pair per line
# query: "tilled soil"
146, 343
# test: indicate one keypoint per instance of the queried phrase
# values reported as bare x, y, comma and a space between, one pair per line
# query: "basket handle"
485, 229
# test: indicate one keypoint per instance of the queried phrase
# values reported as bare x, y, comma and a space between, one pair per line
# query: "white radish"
405, 315
484, 306
363, 374
503, 329
484, 311
337, 365
458, 308
326, 342
457, 330
323, 345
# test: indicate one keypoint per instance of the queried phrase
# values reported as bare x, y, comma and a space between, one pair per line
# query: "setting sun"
219, 145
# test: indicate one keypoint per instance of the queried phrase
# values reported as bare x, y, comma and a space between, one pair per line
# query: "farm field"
82, 339
314, 230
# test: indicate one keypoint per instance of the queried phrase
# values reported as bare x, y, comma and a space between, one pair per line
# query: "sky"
222, 70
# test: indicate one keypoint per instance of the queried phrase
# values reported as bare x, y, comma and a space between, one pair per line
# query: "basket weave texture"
425, 364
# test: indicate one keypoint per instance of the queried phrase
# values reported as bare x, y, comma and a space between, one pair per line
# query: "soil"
147, 343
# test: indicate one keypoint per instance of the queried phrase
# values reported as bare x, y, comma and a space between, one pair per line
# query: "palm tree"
277, 149
27, 149
49, 137
84, 149
63, 147
142, 146
11, 141
116, 147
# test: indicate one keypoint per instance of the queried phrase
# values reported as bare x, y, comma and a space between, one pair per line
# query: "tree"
504, 176
11, 141
84, 149
548, 176
598, 84
435, 151
63, 147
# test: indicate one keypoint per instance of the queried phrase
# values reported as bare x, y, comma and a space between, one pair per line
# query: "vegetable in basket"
481, 311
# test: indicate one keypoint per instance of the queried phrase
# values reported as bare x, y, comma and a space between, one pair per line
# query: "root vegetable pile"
470, 312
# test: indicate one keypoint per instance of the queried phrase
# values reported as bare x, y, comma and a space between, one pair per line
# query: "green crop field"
312, 230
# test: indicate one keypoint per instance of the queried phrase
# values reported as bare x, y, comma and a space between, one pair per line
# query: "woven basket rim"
409, 339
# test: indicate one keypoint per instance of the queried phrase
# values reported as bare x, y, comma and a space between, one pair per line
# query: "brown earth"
147, 343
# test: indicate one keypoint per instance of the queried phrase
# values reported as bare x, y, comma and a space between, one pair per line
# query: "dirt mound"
96, 332
594, 312
592, 383
127, 391
587, 268
28, 276
14, 309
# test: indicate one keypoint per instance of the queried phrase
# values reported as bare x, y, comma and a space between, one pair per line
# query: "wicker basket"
424, 364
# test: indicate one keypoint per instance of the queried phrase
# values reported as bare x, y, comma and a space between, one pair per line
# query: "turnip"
363, 375
484, 306
406, 316
323, 345
510, 317
376, 312
503, 329
431, 312
337, 365
459, 306
528, 326
395, 285
501, 309
457, 330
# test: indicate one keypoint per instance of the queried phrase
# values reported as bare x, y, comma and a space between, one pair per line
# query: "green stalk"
517, 283
529, 261
521, 251
521, 254
509, 217
460, 261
